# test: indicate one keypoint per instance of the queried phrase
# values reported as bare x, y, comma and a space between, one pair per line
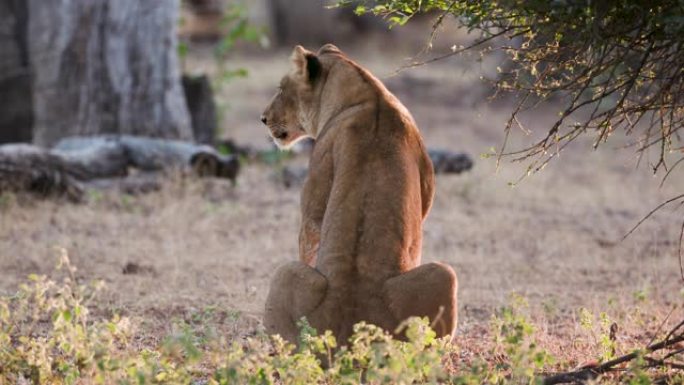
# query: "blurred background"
72, 68
184, 83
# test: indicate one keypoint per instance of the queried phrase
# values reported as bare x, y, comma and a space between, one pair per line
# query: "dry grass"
555, 238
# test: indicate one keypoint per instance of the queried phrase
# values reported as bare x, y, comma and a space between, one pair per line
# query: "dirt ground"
555, 238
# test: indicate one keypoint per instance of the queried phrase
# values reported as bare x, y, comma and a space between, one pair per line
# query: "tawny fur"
369, 188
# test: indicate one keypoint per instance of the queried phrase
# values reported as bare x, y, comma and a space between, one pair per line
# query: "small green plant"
46, 336
275, 156
128, 203
235, 28
514, 338
641, 295
602, 332
637, 375
95, 196
607, 337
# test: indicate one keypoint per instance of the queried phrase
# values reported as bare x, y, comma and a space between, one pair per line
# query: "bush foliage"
615, 64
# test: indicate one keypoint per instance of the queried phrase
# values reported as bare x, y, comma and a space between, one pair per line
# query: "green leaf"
182, 50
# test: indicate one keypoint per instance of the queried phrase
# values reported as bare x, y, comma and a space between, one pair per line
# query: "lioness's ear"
306, 64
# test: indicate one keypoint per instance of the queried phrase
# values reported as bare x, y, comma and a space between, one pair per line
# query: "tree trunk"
16, 115
105, 67
200, 98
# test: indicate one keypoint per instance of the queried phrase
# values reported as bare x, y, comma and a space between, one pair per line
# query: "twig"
436, 25
674, 330
452, 53
659, 363
591, 373
662, 324
672, 354
662, 182
679, 250
678, 197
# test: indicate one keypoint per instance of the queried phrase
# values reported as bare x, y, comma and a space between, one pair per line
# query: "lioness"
370, 185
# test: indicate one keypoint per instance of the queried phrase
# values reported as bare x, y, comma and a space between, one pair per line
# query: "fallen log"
443, 161
92, 160
61, 170
449, 162
148, 154
29, 168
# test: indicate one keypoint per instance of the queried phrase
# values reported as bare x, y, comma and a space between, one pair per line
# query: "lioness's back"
379, 150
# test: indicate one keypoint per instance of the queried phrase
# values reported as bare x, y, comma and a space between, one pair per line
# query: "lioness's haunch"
369, 189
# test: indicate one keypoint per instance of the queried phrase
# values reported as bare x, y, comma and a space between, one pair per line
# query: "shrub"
48, 335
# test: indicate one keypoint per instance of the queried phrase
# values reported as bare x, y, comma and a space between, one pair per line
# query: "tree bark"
16, 115
105, 67
200, 99
27, 168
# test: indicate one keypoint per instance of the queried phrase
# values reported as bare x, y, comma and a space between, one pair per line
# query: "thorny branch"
674, 337
611, 75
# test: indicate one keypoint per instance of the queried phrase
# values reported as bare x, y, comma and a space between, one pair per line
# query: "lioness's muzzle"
280, 134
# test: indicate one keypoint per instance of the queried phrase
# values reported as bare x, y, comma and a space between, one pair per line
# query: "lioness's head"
291, 114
